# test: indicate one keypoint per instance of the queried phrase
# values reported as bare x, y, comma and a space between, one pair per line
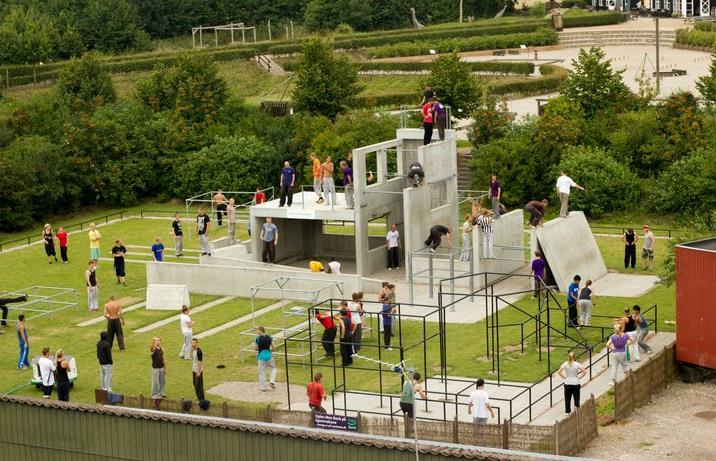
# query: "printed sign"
335, 422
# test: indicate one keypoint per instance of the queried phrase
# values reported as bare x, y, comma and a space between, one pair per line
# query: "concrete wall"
292, 241
507, 231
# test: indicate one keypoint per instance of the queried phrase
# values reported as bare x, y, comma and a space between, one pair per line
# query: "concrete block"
167, 297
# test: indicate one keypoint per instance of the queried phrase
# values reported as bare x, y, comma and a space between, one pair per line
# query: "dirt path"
680, 424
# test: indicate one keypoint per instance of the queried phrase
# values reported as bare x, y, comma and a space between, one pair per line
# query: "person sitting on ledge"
315, 265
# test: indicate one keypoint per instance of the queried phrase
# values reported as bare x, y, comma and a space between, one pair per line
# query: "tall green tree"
112, 26
454, 84
26, 36
707, 84
323, 83
84, 84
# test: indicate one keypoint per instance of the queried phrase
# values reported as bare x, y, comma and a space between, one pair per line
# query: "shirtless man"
329, 186
115, 320
220, 201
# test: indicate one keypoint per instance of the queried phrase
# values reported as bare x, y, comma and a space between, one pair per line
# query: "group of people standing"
346, 324
434, 115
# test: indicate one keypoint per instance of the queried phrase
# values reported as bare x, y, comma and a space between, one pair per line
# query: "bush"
546, 84
593, 19
695, 37
498, 67
573, 3
704, 26
344, 28
84, 84
537, 10
688, 185
454, 84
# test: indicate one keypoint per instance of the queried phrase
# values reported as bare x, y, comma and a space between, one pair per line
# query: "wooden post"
288, 37
232, 34
505, 434
254, 29
243, 34
269, 30
201, 36
34, 74
455, 428
293, 37
555, 434
216, 37
193, 37
225, 409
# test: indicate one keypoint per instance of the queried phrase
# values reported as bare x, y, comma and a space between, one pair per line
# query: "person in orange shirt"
317, 177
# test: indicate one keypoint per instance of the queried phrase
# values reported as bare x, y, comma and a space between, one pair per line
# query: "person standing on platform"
392, 242
439, 117
62, 370
92, 287
536, 209
347, 184
264, 347
62, 238
495, 192
329, 185
630, 238
220, 203
316, 394
23, 340
537, 271
94, 242
329, 332
259, 197
563, 186
466, 234
387, 313
572, 297
186, 324
3, 306
314, 265
428, 94
231, 217
407, 396
269, 238
571, 371
484, 222
202, 229
357, 318
479, 404
178, 234
104, 357
115, 320
118, 252
159, 370
642, 329
435, 238
427, 112
317, 178
49, 239
197, 369
617, 344
647, 252
286, 183
346, 332
586, 301
47, 373
334, 266
158, 250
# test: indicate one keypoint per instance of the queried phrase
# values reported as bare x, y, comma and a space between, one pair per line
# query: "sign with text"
335, 422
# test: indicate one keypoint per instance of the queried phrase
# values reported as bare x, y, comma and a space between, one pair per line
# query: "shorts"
647, 254
479, 420
94, 253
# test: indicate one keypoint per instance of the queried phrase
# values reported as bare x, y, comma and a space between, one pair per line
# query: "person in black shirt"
178, 235
104, 356
428, 94
435, 238
197, 369
202, 229
3, 305
62, 370
49, 240
158, 368
118, 251
630, 238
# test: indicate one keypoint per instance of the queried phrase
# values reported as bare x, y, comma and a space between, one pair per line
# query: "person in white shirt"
335, 266
186, 325
356, 308
466, 234
564, 184
571, 371
392, 242
47, 372
479, 404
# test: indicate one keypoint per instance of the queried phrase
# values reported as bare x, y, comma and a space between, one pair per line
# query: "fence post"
505, 434
269, 414
555, 435
141, 401
406, 426
667, 364
455, 434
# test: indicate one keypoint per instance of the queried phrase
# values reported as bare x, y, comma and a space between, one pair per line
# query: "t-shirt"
494, 188
439, 229
202, 222
231, 214
427, 113
269, 232
408, 394
572, 292
466, 226
586, 293
316, 169
196, 357
439, 110
538, 267
264, 344
46, 371
335, 267
157, 249
176, 227
479, 400
184, 320
259, 197
287, 175
387, 316
118, 250
62, 237
158, 358
347, 176
94, 237
539, 206
619, 342
485, 224
571, 372
315, 266
326, 320
564, 183
648, 241
393, 237
354, 314
315, 393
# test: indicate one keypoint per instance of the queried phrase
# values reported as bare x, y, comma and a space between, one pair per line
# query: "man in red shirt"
62, 237
329, 334
316, 394
259, 197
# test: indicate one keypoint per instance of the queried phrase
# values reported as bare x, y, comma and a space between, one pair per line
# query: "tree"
593, 84
454, 84
85, 84
688, 185
491, 120
112, 26
707, 84
26, 36
324, 84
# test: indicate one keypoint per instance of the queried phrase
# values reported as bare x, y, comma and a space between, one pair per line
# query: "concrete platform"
304, 206
624, 285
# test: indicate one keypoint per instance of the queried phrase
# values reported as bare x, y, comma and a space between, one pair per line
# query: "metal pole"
658, 63
430, 275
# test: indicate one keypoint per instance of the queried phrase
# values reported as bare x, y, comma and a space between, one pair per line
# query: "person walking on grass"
62, 238
647, 252
537, 271
231, 217
427, 112
94, 242
329, 185
115, 319
617, 344
118, 252
347, 183
92, 286
571, 371
159, 369
23, 340
357, 318
220, 203
495, 192
317, 177
484, 222
346, 334
197, 369
392, 242
178, 234
62, 370
642, 329
316, 394
572, 297
186, 324
387, 312
3, 306
435, 238
563, 186
269, 238
630, 238
466, 234
536, 209
47, 373
479, 404
202, 229
104, 357
49, 239
329, 332
586, 302
158, 250
407, 396
286, 182
264, 348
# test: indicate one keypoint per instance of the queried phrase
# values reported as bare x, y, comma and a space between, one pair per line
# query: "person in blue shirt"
572, 296
286, 183
387, 312
158, 249
264, 348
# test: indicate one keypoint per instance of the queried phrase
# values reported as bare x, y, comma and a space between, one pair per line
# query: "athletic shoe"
273, 386
397, 268
390, 268
389, 348
432, 250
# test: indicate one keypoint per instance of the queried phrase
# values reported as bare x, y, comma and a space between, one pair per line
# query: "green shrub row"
593, 19
705, 26
695, 37
521, 68
540, 37
389, 100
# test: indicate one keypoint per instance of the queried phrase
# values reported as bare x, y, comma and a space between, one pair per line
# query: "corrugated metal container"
696, 303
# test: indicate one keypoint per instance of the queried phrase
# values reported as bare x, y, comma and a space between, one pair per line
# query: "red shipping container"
696, 303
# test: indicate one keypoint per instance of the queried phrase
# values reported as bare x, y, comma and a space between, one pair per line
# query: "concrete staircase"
589, 38
464, 172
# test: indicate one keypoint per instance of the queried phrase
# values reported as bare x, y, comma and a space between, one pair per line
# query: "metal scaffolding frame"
57, 299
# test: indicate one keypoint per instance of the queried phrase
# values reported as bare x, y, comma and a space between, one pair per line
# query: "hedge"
501, 67
593, 19
389, 100
695, 37
705, 26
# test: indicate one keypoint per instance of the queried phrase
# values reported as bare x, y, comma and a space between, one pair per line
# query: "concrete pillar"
382, 165
362, 244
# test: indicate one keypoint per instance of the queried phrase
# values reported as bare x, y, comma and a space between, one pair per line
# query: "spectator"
329, 186
642, 329
357, 318
466, 234
537, 270
564, 184
115, 320
186, 324
202, 229
47, 372
316, 394
286, 183
572, 297
231, 217
3, 306
264, 347
475, 207
317, 177
586, 302
495, 192
62, 370
178, 236
329, 332
392, 242
158, 369
197, 369
259, 196
269, 237
536, 210
23, 340
479, 403
629, 327
435, 238
427, 112
347, 327
484, 221
428, 94
439, 117
407, 396
118, 252
347, 184
49, 239
387, 313
158, 250
104, 356
92, 286
571, 371
630, 238
617, 345
220, 203
647, 252
62, 238
334, 266
382, 299
315, 265
416, 175
94, 238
